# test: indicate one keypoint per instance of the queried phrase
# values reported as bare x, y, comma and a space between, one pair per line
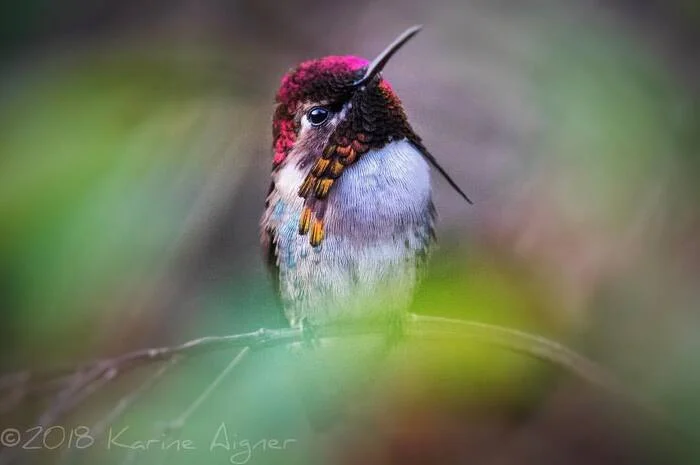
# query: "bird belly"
379, 227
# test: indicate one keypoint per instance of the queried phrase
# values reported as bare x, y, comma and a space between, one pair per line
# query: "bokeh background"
134, 155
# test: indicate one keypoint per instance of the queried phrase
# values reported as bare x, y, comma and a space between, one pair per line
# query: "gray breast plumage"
379, 228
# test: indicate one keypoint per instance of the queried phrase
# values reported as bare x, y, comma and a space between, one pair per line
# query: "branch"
86, 380
534, 346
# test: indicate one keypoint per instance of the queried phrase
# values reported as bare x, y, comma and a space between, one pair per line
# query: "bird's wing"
267, 244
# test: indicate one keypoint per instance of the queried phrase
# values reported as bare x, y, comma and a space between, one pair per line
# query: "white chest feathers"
379, 226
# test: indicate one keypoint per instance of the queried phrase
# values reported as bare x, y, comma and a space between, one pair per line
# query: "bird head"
332, 110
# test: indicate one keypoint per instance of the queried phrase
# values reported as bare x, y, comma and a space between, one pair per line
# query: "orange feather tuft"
320, 167
305, 221
307, 185
317, 233
323, 186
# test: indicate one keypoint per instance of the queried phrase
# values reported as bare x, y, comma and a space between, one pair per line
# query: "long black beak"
376, 67
382, 59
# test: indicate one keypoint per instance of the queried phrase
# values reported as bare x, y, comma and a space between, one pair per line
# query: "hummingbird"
349, 219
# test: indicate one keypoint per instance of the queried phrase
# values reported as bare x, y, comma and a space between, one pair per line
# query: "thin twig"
517, 341
125, 402
71, 384
174, 427
77, 392
70, 397
197, 346
99, 428
22, 385
179, 422
538, 347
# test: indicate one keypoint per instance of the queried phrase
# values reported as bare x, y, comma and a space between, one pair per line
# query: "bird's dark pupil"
318, 115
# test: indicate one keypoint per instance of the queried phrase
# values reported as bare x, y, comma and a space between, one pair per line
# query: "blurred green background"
134, 155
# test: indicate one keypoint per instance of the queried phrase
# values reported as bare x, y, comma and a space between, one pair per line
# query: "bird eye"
317, 115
